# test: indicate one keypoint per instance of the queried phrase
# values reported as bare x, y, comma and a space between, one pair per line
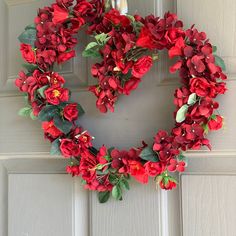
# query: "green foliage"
25, 111
80, 109
149, 155
41, 91
55, 148
103, 196
220, 62
117, 192
181, 113
30, 67
63, 125
48, 112
192, 99
28, 36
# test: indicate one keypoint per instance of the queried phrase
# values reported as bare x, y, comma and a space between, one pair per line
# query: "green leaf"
220, 62
47, 113
32, 116
132, 19
214, 49
91, 45
103, 196
25, 111
55, 148
102, 38
192, 99
149, 155
80, 109
116, 192
91, 53
31, 26
181, 113
30, 67
124, 184
28, 37
113, 179
41, 91
63, 125
213, 117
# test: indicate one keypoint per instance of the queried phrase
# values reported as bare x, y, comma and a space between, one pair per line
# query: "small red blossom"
73, 170
215, 123
60, 14
50, 129
174, 165
65, 56
55, 96
69, 148
202, 87
137, 170
142, 66
167, 184
28, 53
154, 168
117, 19
70, 112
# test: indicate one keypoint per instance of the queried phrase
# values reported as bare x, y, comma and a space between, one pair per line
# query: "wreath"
126, 47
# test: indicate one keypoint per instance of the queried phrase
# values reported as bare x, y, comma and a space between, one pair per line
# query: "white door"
38, 199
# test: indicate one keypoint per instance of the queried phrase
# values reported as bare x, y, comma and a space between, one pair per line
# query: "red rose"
56, 95
69, 148
50, 129
71, 112
65, 56
154, 168
117, 19
28, 53
142, 66
201, 87
83, 8
145, 39
215, 124
168, 184
60, 14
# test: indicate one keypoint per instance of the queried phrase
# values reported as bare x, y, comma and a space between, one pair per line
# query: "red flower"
82, 8
69, 148
55, 96
73, 170
117, 19
174, 165
216, 123
177, 50
50, 129
70, 112
130, 85
65, 56
145, 39
173, 34
138, 171
167, 184
142, 66
154, 168
201, 87
181, 96
60, 15
196, 65
28, 53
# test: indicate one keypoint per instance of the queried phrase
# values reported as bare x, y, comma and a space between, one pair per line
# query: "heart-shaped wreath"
127, 46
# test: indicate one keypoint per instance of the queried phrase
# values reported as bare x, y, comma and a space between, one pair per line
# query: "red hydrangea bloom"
181, 96
130, 85
175, 165
65, 56
28, 53
55, 96
216, 123
70, 112
51, 130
